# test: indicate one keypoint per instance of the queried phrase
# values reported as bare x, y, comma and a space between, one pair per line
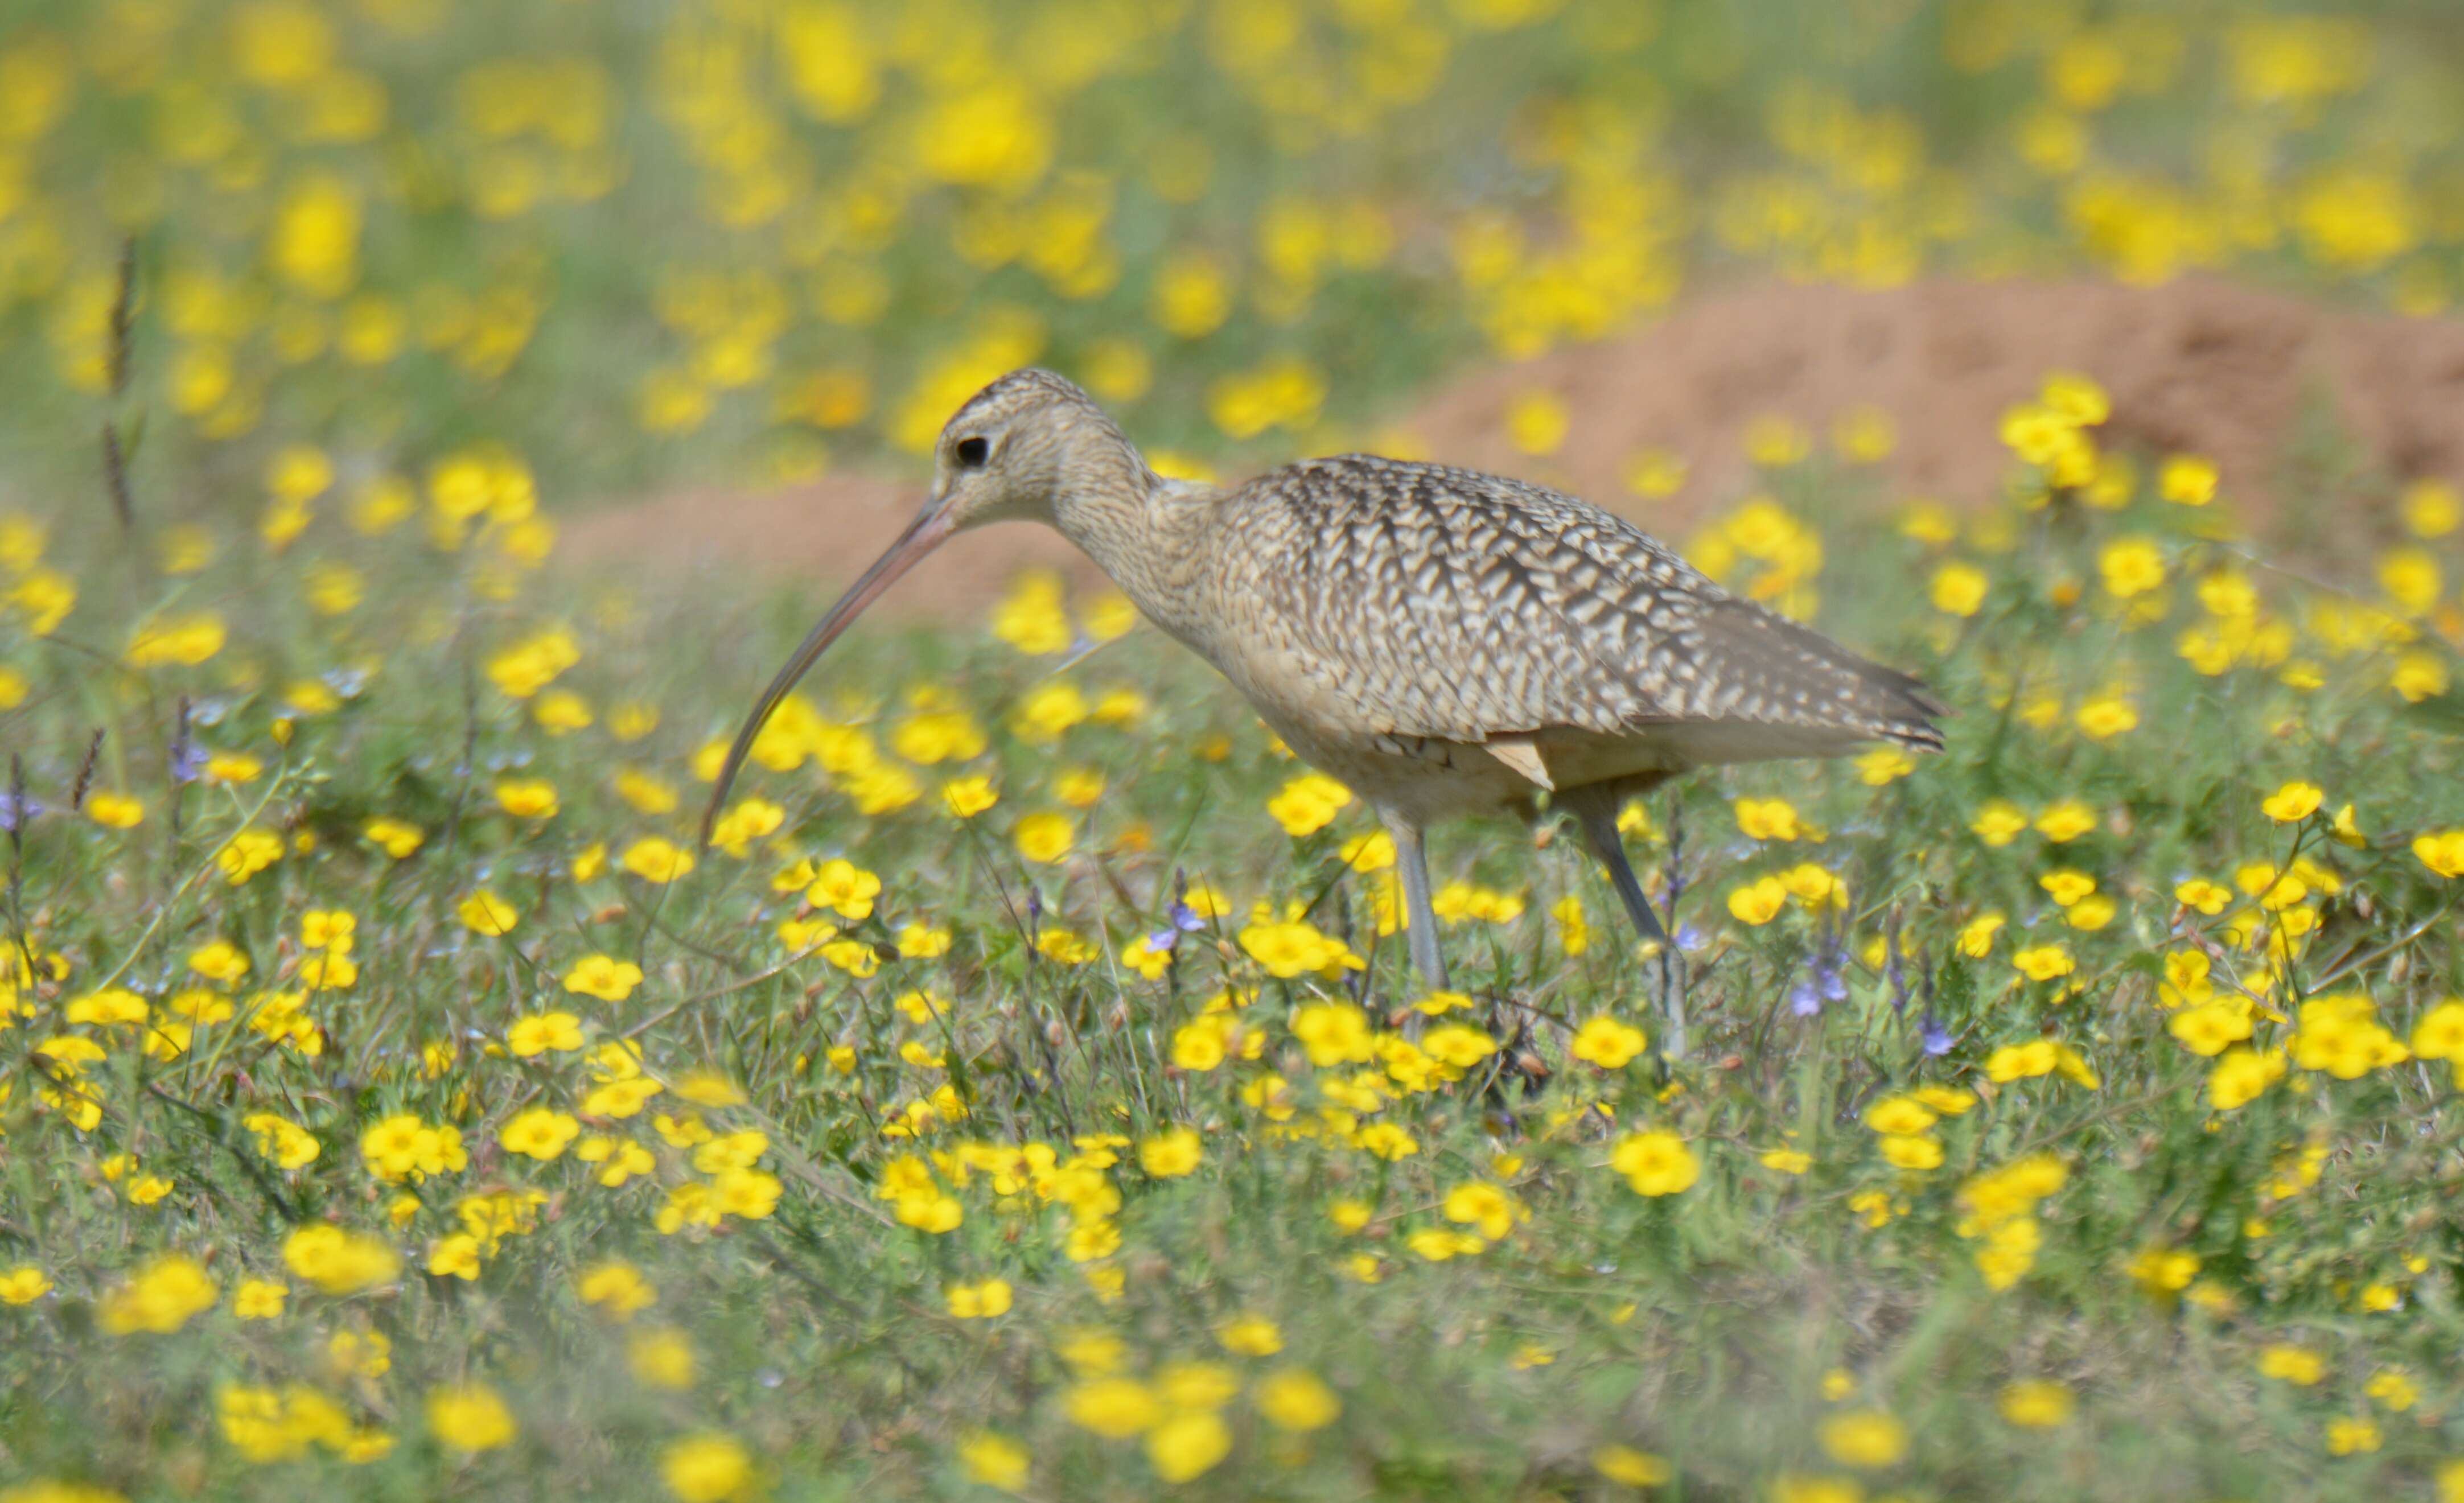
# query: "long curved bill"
925, 534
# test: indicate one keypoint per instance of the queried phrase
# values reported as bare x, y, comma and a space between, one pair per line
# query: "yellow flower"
218, 961
1171, 1153
967, 798
1115, 1409
2393, 1387
2066, 888
745, 821
539, 1133
2020, 1061
2242, 1076
286, 1142
1250, 1335
2294, 801
2294, 1364
455, 1256
396, 837
469, 1417
2441, 851
337, 1260
260, 1298
979, 1301
1912, 1152
655, 859
616, 1287
540, 1033
995, 135
2418, 676
1958, 589
1884, 765
44, 598
1188, 1444
1032, 620
160, 1295
2075, 400
528, 667
1308, 803
937, 735
2045, 962
2187, 479
23, 1285
705, 1467
1296, 1399
2432, 509
2065, 820
1632, 1468
1786, 1160
1044, 837
994, 1461
246, 853
2036, 1403
1607, 1042
527, 798
1900, 1115
1536, 422
2092, 912
2209, 898
1484, 1206
2130, 566
1768, 819
661, 1357
2106, 716
1998, 822
2208, 1028
1654, 472
1757, 902
1867, 1438
2162, 1272
1656, 1163
176, 638
488, 914
602, 976
2439, 1034
1295, 949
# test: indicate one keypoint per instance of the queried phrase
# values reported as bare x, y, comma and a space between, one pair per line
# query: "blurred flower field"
1025, 1094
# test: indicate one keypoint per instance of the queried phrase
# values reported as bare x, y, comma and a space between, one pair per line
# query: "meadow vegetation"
1026, 1093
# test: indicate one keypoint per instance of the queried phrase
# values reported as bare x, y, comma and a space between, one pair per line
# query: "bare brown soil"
2199, 366
2226, 371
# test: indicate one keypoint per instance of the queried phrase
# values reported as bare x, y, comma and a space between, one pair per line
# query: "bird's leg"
1597, 810
1420, 916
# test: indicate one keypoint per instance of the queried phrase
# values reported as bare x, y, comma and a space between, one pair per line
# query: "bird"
1442, 642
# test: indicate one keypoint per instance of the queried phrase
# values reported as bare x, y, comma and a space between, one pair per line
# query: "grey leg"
1420, 932
1597, 811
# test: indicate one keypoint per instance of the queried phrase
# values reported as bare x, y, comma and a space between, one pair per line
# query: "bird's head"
1018, 446
1009, 454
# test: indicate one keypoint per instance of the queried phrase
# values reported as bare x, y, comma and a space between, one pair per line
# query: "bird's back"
1424, 600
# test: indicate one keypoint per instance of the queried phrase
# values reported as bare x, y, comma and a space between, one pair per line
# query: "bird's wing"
1465, 606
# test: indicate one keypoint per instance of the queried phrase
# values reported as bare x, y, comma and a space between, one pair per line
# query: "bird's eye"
971, 452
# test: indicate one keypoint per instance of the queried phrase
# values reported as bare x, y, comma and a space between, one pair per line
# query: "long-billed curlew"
1441, 640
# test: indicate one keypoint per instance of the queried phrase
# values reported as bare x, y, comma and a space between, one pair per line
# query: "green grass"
1764, 1333
1698, 1325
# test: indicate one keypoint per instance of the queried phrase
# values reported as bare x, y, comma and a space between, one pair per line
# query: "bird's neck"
1138, 527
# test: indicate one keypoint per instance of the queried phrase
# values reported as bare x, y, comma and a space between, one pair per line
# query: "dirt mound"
2230, 372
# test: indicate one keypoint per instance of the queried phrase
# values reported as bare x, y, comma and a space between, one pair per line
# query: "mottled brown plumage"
1442, 640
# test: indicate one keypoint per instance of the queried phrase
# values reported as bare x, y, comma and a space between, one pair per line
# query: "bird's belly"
1420, 777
